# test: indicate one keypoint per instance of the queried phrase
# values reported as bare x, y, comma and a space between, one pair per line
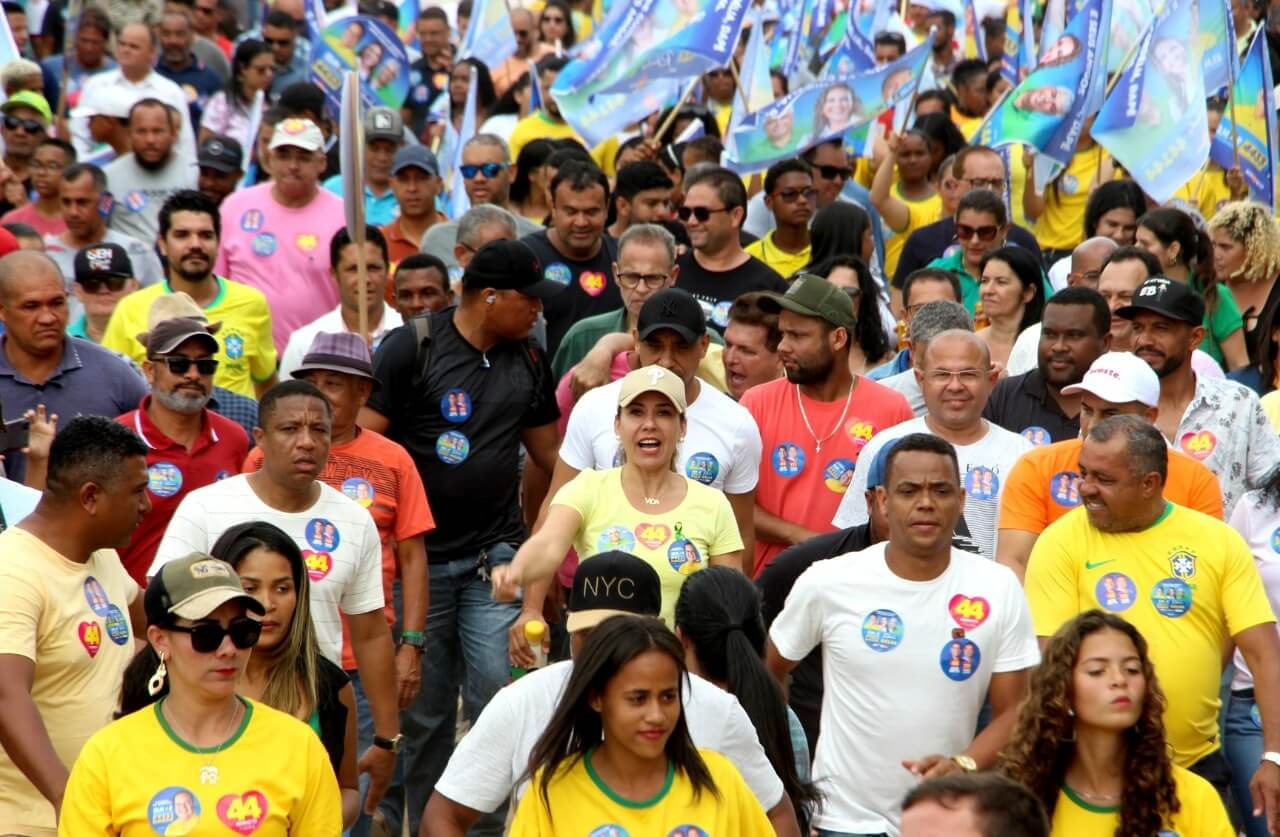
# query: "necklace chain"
209, 773
817, 443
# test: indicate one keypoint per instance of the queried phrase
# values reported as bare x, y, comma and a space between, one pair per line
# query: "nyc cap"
673, 308
1120, 377
192, 588
612, 583
1168, 298
508, 265
813, 296
653, 379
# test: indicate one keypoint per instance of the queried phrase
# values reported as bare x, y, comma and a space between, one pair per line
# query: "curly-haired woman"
1246, 257
1090, 742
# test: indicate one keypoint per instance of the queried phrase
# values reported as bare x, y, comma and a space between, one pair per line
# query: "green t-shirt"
954, 262
1221, 323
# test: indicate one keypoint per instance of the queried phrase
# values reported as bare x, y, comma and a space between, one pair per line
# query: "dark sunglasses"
206, 637
702, 213
181, 365
490, 170
95, 284
31, 126
832, 172
521, 33
790, 195
986, 232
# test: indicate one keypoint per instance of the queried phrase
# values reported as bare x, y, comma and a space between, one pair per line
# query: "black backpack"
421, 325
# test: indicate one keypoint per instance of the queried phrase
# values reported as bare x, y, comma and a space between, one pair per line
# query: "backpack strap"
421, 324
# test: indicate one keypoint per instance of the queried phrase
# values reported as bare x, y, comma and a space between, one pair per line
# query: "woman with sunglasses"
98, 294
982, 224
904, 191
202, 759
229, 111
616, 757
1090, 740
556, 26
1011, 291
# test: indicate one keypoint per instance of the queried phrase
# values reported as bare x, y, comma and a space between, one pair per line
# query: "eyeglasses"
650, 280
833, 172
1090, 275
702, 213
181, 365
986, 232
790, 195
489, 170
206, 637
31, 126
95, 284
967, 377
995, 184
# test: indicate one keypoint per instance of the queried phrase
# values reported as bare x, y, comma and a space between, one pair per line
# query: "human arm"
411, 556
743, 506
769, 527
39, 438
892, 211
779, 666
1236, 184
541, 442
1006, 693
375, 659
729, 559
538, 557
1234, 354
371, 419
1013, 549
1032, 203
260, 387
1261, 649
593, 370
348, 777
445, 818
22, 732
85, 809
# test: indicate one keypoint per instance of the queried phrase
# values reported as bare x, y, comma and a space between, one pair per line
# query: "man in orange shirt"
1044, 484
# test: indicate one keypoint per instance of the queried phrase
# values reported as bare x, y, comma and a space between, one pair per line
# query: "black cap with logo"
1168, 298
508, 265
673, 308
613, 583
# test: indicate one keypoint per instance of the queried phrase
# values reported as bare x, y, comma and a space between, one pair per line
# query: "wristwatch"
1272, 757
392, 744
967, 764
414, 639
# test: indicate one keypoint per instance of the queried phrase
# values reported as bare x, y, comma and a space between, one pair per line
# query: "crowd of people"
875, 494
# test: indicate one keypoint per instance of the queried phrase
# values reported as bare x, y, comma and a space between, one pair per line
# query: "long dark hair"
1114, 194
938, 128
869, 332
576, 728
1195, 249
837, 230
485, 94
718, 611
571, 33
244, 55
1027, 268
533, 155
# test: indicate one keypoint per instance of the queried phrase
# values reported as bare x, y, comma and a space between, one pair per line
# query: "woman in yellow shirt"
1059, 212
1090, 743
904, 193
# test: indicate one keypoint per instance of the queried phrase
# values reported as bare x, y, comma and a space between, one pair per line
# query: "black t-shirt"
1022, 404
462, 427
928, 243
717, 289
589, 286
425, 84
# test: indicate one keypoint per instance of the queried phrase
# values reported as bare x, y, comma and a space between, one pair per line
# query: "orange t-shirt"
1043, 486
799, 483
380, 475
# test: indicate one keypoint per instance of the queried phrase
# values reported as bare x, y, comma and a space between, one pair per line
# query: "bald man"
527, 51
956, 377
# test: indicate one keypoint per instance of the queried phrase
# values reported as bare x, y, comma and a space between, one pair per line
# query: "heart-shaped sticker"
1199, 445
653, 535
969, 612
243, 813
318, 564
91, 637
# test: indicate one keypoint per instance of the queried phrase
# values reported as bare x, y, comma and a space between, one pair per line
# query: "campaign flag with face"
1054, 22
1255, 125
975, 43
1216, 42
489, 34
1155, 123
854, 54
369, 48
756, 81
459, 202
1019, 42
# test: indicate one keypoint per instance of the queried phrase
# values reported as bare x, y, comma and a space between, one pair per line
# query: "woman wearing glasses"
1011, 291
202, 759
556, 26
982, 223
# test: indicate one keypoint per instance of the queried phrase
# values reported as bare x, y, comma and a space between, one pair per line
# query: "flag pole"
671, 117
1124, 62
737, 82
68, 40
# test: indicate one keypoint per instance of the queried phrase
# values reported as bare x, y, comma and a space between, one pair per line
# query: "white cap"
300, 133
107, 101
954, 6
1120, 377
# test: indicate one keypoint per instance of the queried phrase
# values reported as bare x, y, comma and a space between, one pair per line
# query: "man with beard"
188, 445
141, 181
811, 425
190, 229
179, 64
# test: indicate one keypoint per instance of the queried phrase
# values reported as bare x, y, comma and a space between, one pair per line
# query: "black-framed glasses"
95, 284
652, 281
31, 126
832, 172
986, 232
790, 195
521, 33
181, 365
206, 637
702, 213
489, 170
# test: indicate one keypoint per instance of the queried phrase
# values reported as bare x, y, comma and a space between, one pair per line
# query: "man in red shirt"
188, 445
815, 421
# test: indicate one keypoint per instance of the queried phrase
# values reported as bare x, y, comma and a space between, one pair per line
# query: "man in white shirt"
956, 377
490, 760
346, 317
142, 180
914, 636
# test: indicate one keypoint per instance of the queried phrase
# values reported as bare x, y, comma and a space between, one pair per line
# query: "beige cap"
653, 379
172, 306
300, 133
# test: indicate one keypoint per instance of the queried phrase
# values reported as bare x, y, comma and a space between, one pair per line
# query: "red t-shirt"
380, 475
798, 483
173, 472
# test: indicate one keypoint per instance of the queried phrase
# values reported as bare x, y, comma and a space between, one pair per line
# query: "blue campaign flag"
855, 53
1254, 112
1019, 42
489, 34
314, 14
756, 81
1216, 39
1054, 23
1155, 123
975, 41
459, 202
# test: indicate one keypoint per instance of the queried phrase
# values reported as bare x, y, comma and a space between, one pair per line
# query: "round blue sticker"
616, 537
702, 467
221, 475
1254, 715
1036, 435
687, 831
1064, 488
882, 630
252, 220
234, 345
455, 406
981, 483
838, 475
452, 447
117, 627
264, 244
1171, 597
558, 272
960, 659
788, 459
1069, 183
720, 312
96, 596
164, 479
359, 489
135, 201
322, 535
174, 810
683, 556
610, 830
1275, 540
1115, 592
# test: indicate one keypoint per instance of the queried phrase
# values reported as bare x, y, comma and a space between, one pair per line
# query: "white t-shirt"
721, 449
492, 758
1025, 354
337, 536
300, 341
898, 681
1259, 524
983, 468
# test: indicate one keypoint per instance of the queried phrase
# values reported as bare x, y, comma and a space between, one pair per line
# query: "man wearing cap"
221, 161
69, 615
106, 126
1044, 485
383, 137
415, 181
1186, 580
44, 214
1216, 421
26, 122
142, 180
179, 64
811, 425
188, 445
275, 235
492, 758
461, 400
103, 277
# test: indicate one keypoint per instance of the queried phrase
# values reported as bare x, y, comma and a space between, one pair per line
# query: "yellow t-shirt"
246, 352
582, 804
675, 543
780, 260
1207, 191
919, 214
1271, 406
1187, 582
1061, 225
538, 125
1017, 185
72, 621
968, 125
1201, 814
138, 778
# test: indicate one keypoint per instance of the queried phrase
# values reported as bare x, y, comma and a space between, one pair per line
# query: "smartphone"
15, 434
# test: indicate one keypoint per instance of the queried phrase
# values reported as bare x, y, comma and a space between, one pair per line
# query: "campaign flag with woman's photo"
1155, 123
1254, 138
367, 47
854, 54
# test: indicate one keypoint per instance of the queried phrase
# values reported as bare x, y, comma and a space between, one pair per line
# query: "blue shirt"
900, 363
241, 409
378, 211
198, 83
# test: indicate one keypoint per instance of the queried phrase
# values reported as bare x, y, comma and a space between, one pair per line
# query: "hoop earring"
156, 683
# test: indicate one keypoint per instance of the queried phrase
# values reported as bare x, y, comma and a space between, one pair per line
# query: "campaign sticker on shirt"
653, 535
359, 489
1069, 183
682, 555
1200, 445
960, 659
981, 483
610, 830
702, 467
882, 630
252, 220
234, 346
135, 200
1036, 435
592, 282
1115, 592
90, 634
244, 812
164, 479
1275, 540
788, 459
558, 272
615, 537
455, 406
440, 80
306, 242
420, 93
264, 244
1064, 488
318, 564
687, 831
1254, 716
968, 611
720, 312
1171, 597
221, 475
322, 535
452, 447
838, 475
96, 595
860, 432
117, 627
1182, 564
174, 810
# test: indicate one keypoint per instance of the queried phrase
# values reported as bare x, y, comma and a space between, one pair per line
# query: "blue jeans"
1243, 746
466, 652
822, 832
364, 740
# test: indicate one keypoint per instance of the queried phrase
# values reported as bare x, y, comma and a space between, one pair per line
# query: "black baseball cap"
1168, 298
673, 308
509, 265
221, 153
612, 583
98, 261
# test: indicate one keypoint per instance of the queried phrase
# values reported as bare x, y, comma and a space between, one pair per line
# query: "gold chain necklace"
817, 443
